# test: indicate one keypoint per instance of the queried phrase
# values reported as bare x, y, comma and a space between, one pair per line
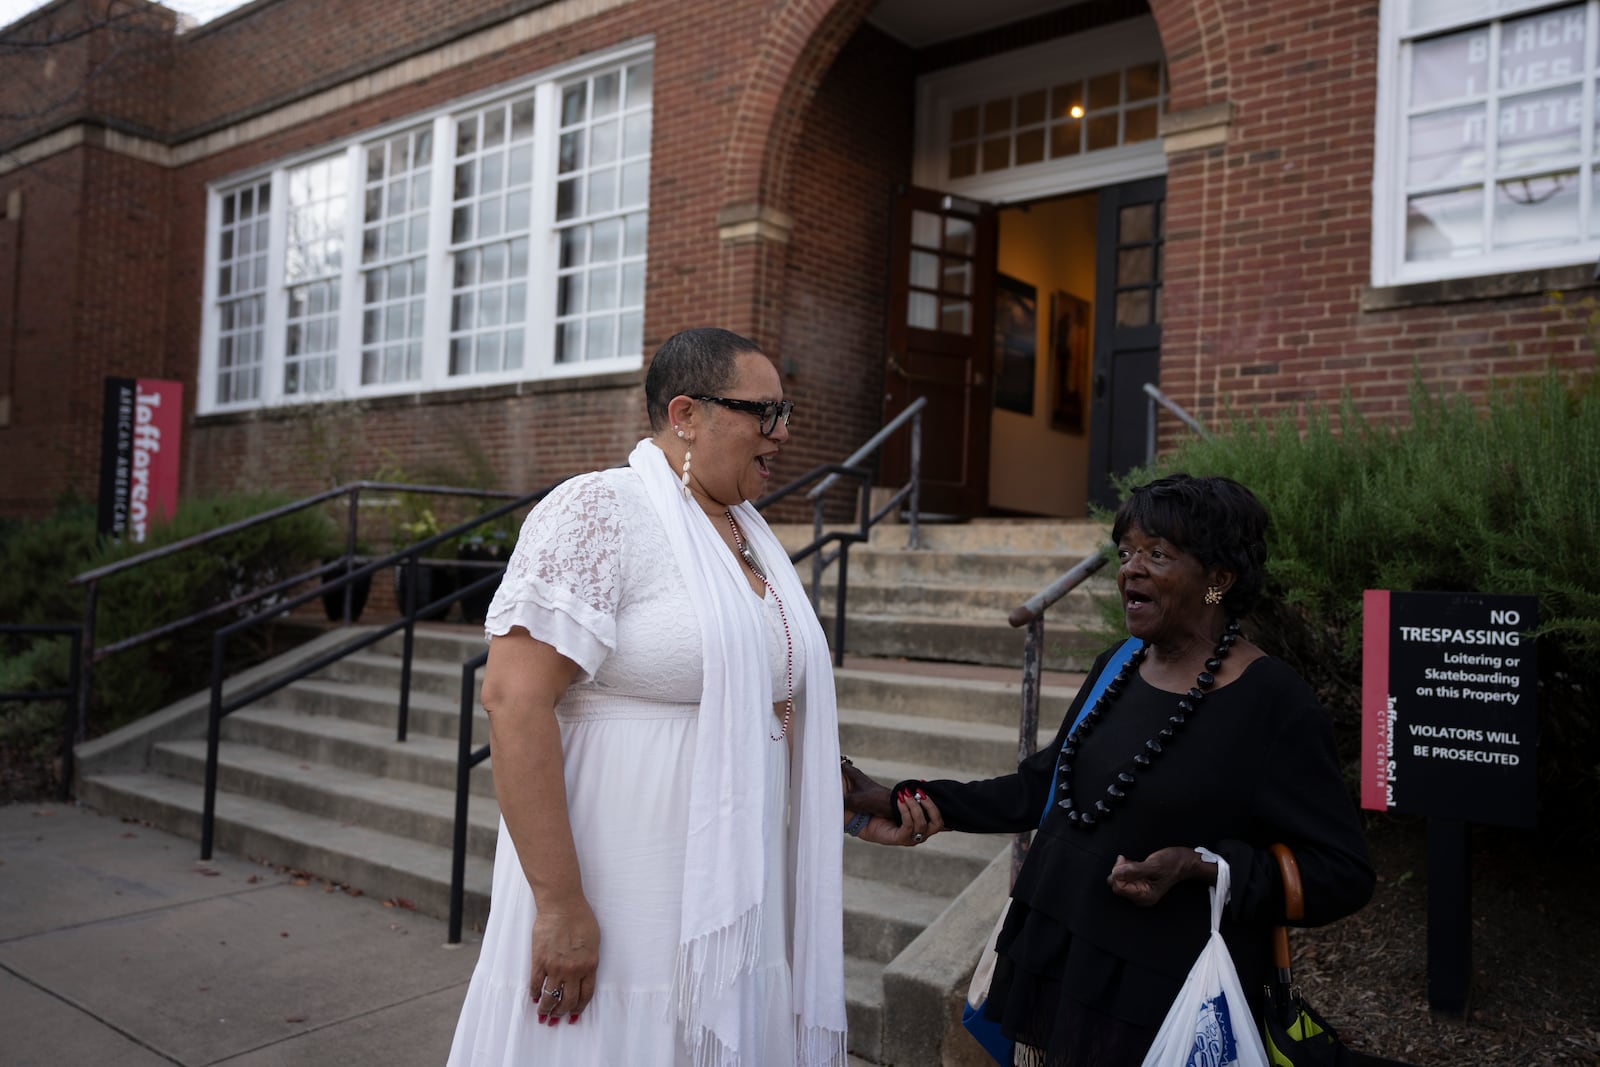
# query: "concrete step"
964, 641
963, 748
353, 746
1026, 572
967, 601
899, 688
404, 809
427, 714
438, 678
880, 919
943, 865
411, 873
1080, 536
863, 1003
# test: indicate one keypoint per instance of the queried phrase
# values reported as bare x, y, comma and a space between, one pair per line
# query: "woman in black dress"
1204, 740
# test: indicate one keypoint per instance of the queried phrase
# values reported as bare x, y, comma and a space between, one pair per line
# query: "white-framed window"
1486, 152
1072, 113
500, 238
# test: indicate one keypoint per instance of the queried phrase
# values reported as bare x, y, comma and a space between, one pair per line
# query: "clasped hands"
909, 818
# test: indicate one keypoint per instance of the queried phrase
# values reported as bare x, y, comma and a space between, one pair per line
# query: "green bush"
38, 560
1502, 497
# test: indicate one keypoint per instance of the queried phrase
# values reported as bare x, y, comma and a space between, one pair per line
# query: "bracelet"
856, 824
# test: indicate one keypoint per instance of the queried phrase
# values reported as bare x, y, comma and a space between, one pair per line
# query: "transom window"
498, 240
1081, 115
1075, 112
1487, 143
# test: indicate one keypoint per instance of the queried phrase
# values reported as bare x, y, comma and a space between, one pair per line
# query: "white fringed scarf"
721, 920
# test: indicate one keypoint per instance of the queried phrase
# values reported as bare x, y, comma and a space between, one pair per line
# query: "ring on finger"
553, 994
916, 839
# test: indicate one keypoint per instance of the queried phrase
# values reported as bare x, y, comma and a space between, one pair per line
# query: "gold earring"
1213, 594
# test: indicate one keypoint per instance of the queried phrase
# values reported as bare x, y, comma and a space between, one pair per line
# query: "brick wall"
1269, 235
792, 107
854, 149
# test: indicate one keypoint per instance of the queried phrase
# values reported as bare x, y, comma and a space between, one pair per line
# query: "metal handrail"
73, 728
466, 759
410, 557
1158, 397
89, 654
845, 538
1030, 613
911, 413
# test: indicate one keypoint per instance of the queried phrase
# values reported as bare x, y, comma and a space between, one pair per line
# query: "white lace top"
594, 576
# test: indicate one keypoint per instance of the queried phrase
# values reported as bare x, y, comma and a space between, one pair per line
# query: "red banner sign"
141, 429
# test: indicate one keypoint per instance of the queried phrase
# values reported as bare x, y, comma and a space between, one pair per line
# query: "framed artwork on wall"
1016, 325
1069, 361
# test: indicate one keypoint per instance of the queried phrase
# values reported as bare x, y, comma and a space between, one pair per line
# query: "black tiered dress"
1087, 976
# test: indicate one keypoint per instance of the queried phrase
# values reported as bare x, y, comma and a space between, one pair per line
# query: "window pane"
1540, 129
924, 270
956, 317
963, 160
1543, 48
925, 229
1133, 308
1102, 132
1030, 147
1537, 212
922, 311
959, 235
1452, 67
1105, 90
639, 78
1446, 225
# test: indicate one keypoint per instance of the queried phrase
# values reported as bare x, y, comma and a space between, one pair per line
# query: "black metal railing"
466, 758
1162, 400
73, 728
410, 558
1030, 613
91, 654
844, 538
909, 491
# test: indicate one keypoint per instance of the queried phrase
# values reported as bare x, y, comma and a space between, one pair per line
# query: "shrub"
1498, 498
38, 560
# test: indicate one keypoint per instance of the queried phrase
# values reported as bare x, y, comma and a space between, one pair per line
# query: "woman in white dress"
665, 749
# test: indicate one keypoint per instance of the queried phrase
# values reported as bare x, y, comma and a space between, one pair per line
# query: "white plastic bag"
1209, 1024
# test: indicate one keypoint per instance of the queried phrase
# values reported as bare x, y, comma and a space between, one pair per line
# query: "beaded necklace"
760, 572
1117, 791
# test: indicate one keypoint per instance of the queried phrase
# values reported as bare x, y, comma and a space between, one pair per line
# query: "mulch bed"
1535, 995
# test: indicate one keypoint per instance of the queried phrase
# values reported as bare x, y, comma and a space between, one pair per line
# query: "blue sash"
987, 1031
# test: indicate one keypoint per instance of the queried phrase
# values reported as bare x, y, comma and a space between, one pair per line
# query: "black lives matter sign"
1449, 725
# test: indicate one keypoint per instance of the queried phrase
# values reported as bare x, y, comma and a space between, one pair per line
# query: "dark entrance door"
1127, 336
940, 345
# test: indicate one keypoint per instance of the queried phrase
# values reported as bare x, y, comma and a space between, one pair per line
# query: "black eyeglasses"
768, 411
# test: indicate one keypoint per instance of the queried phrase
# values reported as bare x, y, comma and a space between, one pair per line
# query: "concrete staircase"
312, 778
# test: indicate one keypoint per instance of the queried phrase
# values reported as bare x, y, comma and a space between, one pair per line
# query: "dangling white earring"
686, 494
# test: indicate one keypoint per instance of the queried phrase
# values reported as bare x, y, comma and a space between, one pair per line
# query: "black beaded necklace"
1117, 791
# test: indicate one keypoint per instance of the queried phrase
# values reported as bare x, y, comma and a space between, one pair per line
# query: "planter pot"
433, 582
475, 605
333, 602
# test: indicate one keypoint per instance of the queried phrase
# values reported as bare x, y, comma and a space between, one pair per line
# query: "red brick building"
418, 235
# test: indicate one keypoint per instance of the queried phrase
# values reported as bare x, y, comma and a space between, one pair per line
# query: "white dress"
593, 575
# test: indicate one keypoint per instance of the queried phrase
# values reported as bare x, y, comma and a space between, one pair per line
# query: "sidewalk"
117, 946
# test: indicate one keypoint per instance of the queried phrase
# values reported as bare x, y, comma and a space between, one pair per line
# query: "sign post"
1449, 730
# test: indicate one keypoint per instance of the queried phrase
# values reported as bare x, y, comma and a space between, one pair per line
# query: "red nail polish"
572, 1018
542, 1018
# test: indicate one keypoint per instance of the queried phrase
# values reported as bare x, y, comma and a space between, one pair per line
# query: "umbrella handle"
1294, 903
